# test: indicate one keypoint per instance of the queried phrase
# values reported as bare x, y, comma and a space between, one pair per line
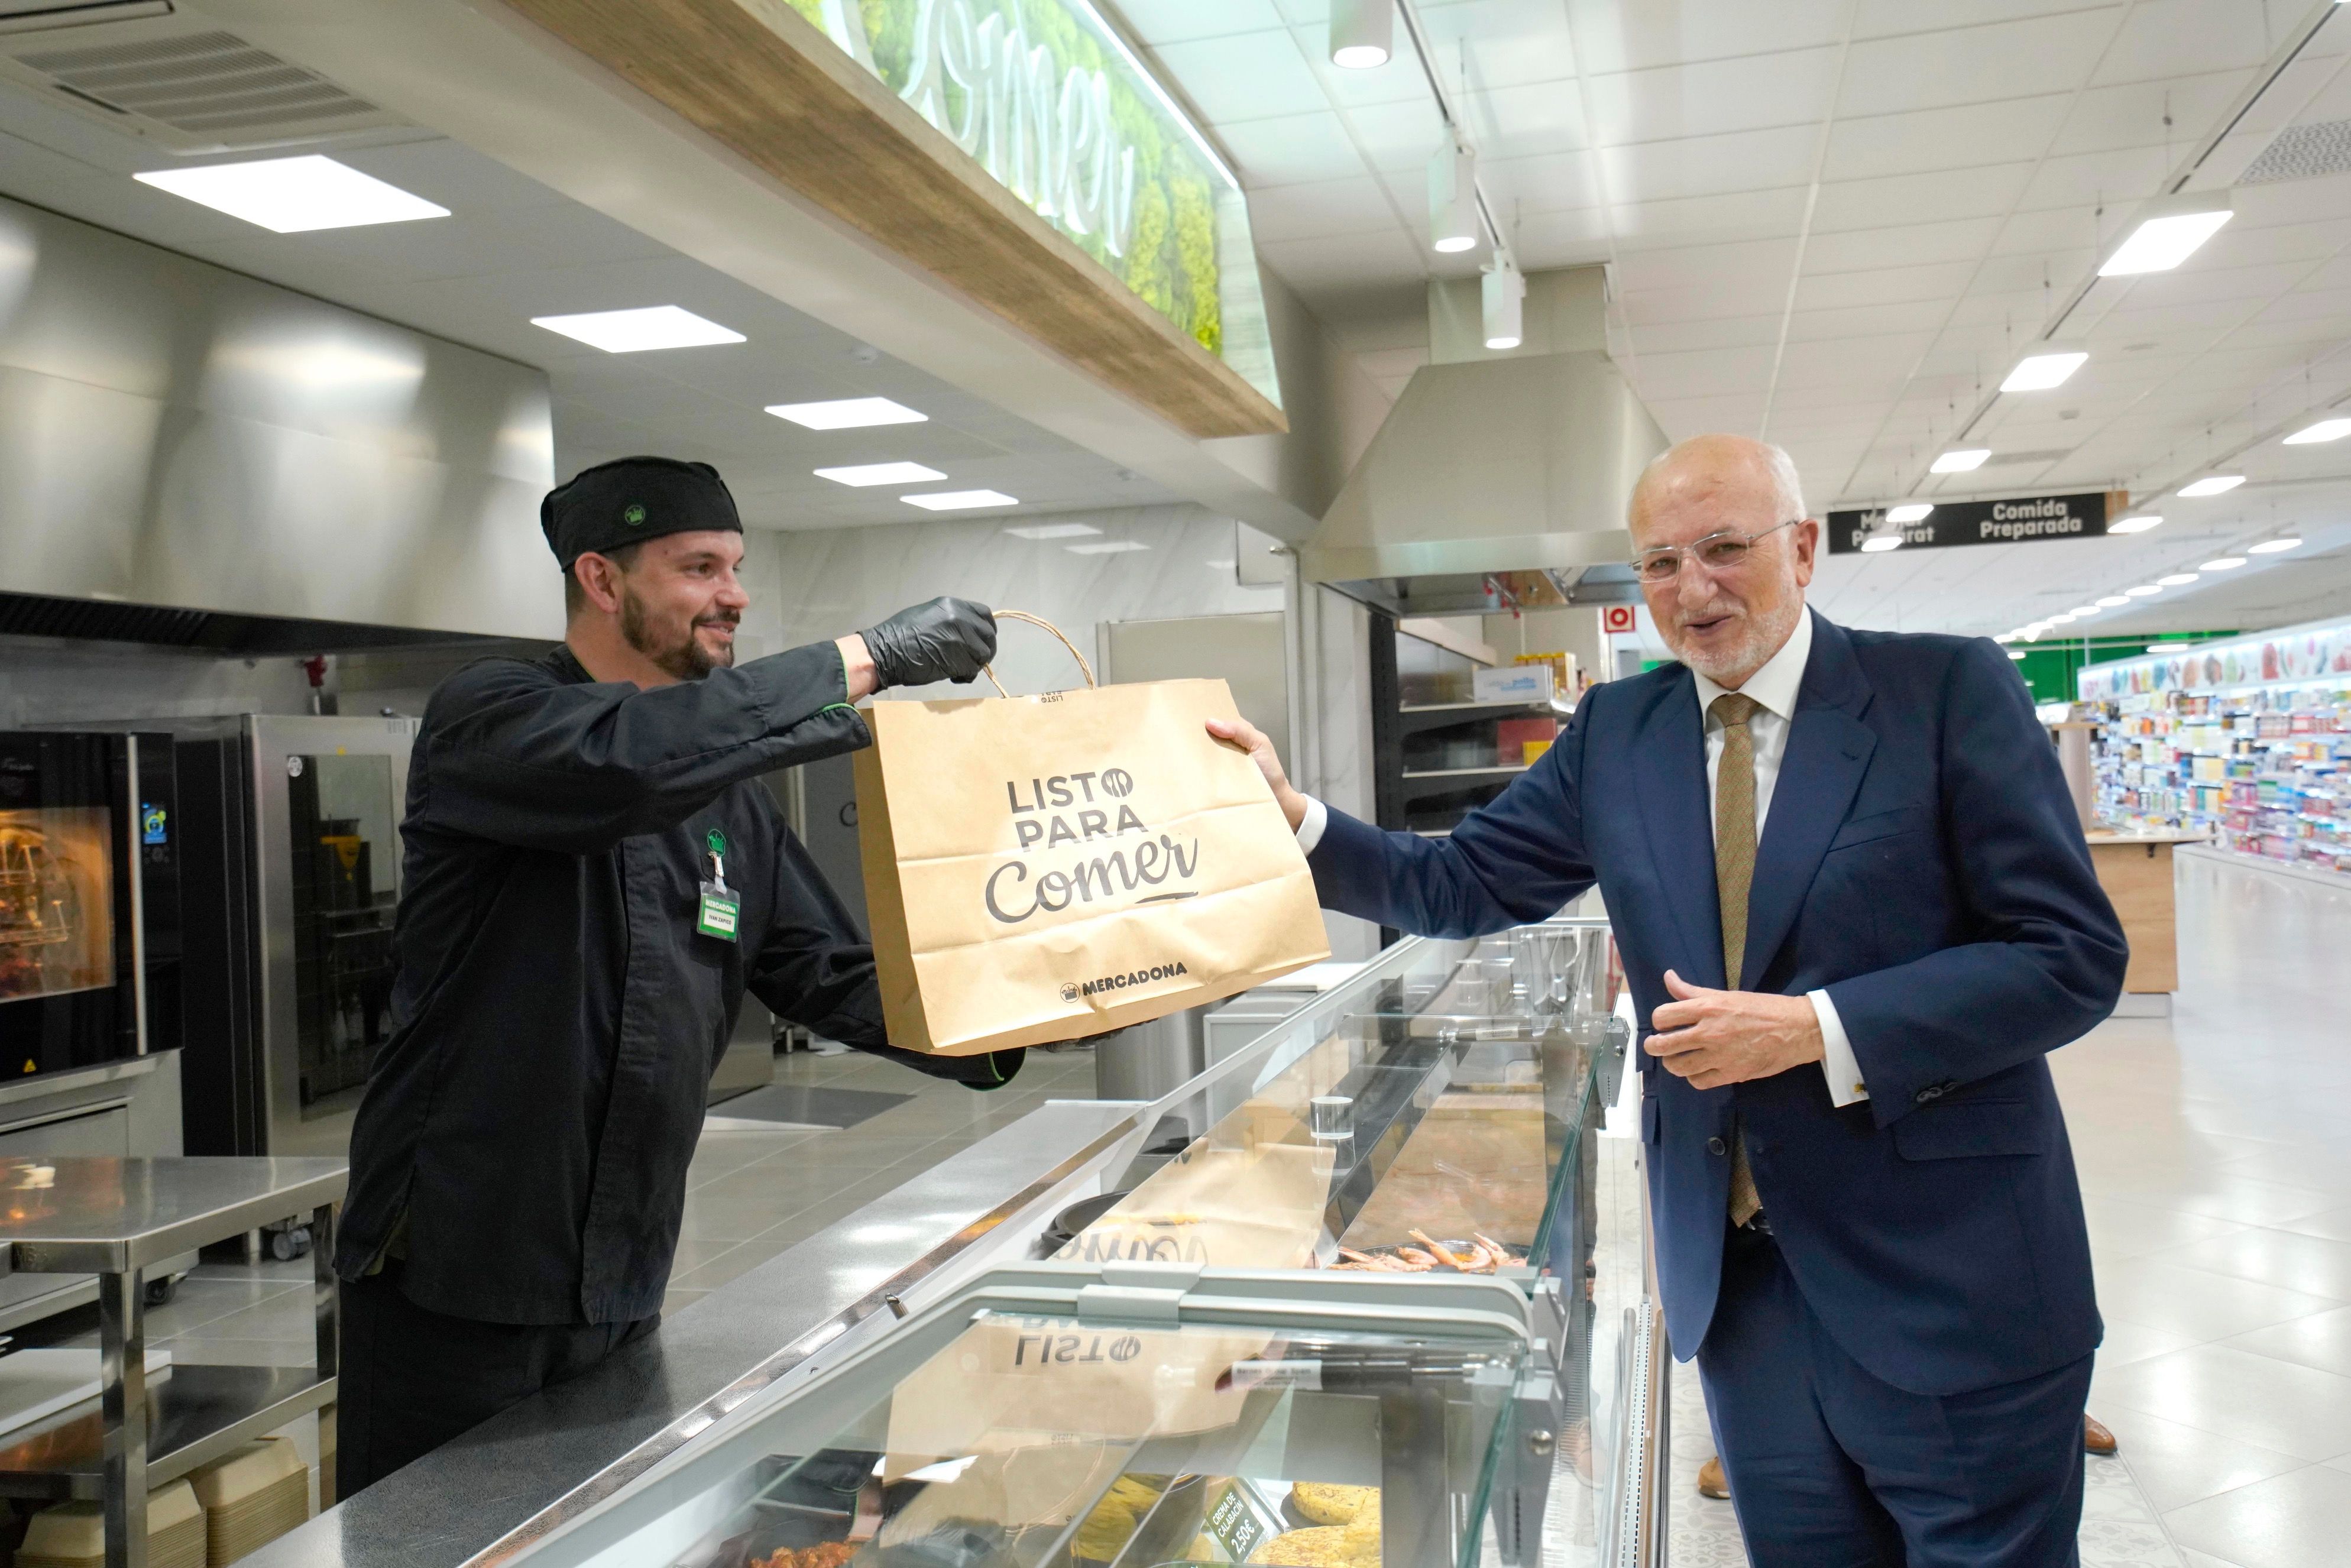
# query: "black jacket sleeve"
815, 969
519, 756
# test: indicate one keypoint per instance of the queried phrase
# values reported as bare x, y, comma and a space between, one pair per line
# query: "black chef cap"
631, 499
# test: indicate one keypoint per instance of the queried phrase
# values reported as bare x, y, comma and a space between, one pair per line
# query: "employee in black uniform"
593, 877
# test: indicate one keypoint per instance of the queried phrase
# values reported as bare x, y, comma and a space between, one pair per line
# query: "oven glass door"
67, 991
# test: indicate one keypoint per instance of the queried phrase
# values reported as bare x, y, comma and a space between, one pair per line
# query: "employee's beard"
683, 656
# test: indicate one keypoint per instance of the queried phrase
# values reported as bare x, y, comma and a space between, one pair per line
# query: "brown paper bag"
1041, 868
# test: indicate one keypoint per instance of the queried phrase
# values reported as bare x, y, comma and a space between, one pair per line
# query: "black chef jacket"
557, 1017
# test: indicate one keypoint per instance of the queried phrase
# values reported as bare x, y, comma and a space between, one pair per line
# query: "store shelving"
1440, 753
2263, 766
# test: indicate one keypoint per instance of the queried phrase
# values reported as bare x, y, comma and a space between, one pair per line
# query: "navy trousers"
1832, 1467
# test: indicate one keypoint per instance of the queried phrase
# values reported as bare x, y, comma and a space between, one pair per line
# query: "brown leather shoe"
2095, 1437
1711, 1481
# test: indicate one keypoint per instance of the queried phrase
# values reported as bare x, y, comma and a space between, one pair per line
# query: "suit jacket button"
1717, 1146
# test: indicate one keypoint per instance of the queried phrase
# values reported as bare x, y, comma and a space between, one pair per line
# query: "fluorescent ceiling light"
2325, 430
294, 195
2111, 599
2226, 563
2169, 235
2016, 653
2062, 618
847, 414
634, 331
1107, 547
2081, 609
959, 500
1908, 512
2214, 484
1961, 461
1051, 531
2137, 525
2005, 637
2271, 546
2038, 372
864, 474
2168, 647
2177, 578
2144, 591
1881, 544
1363, 34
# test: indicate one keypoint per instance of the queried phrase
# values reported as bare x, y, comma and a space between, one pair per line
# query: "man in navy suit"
1855, 904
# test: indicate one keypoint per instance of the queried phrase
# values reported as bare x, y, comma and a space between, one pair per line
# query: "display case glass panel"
1058, 1439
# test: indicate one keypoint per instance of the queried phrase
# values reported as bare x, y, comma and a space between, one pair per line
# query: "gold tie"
1734, 873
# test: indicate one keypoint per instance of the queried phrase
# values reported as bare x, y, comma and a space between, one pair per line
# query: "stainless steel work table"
116, 1219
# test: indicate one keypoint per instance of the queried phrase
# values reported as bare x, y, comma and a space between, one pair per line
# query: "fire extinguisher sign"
1614, 618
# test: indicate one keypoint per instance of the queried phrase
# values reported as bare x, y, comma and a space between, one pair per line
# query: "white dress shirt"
1774, 687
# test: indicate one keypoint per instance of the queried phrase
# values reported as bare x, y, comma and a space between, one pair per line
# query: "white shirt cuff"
1310, 832
1837, 1060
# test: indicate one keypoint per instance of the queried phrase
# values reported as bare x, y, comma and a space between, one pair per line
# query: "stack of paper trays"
73, 1535
251, 1498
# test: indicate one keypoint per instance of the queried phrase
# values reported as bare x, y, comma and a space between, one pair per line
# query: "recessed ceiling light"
2005, 637
2271, 546
2144, 591
2166, 647
1908, 512
2177, 578
2062, 618
2226, 563
864, 474
2080, 609
847, 414
2038, 372
1881, 544
2016, 653
2325, 430
959, 500
1051, 531
2137, 525
1107, 547
2215, 484
1960, 460
2163, 241
294, 195
634, 331
2111, 599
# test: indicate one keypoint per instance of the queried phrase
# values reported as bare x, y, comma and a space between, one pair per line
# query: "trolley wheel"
290, 1243
160, 1292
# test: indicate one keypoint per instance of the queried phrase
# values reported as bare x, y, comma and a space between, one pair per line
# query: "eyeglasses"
1715, 552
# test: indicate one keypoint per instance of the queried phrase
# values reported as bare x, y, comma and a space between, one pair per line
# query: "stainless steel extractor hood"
1491, 463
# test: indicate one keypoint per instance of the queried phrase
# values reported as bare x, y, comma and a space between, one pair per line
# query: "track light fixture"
1363, 34
1453, 198
1504, 293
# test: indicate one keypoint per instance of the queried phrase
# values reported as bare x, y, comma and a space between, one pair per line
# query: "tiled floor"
2215, 1148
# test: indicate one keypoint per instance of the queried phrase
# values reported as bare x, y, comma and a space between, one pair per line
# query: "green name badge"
720, 913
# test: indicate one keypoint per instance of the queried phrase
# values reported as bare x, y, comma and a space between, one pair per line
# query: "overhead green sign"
1050, 100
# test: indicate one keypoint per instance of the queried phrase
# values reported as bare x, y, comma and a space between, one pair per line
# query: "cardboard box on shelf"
73, 1535
1513, 683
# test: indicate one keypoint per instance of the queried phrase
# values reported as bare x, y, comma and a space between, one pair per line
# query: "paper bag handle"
1084, 668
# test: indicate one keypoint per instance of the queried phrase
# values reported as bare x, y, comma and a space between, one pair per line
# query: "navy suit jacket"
1921, 861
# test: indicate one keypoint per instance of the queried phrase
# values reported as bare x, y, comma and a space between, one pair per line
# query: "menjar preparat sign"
2025, 519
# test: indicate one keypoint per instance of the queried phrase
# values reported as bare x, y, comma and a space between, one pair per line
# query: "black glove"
945, 640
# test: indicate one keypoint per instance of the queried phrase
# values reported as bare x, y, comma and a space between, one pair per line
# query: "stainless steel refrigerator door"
356, 770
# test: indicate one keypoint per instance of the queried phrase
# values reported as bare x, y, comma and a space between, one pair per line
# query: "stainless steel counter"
580, 1441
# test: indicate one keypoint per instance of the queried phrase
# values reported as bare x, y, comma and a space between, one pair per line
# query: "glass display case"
1124, 1415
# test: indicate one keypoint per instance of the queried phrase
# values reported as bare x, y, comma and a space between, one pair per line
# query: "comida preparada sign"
2025, 519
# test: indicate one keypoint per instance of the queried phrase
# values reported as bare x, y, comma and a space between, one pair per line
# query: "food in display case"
1035, 1442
